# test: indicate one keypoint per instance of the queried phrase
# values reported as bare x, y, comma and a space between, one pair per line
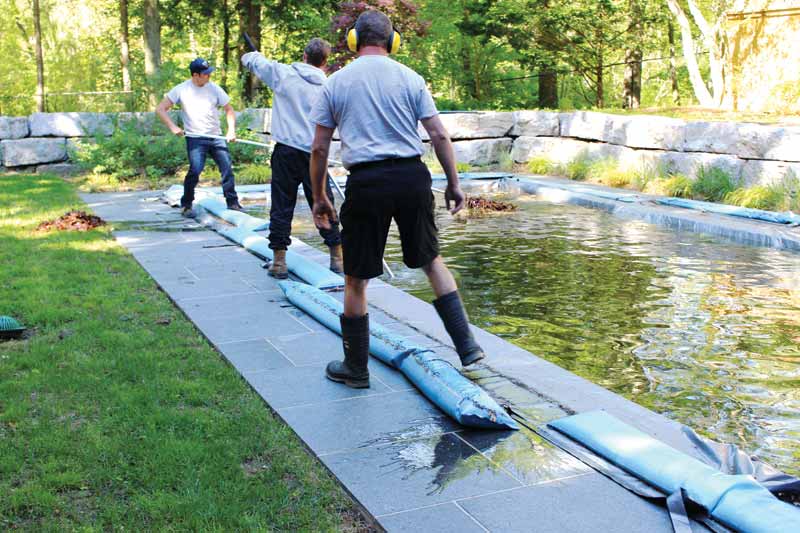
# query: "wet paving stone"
368, 421
410, 474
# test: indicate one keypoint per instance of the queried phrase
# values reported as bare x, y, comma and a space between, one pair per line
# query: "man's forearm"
165, 118
319, 170
447, 158
231, 116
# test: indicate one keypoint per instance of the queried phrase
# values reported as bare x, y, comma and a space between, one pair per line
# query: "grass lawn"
115, 413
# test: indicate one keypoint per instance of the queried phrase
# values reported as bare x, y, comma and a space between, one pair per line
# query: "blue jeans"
198, 149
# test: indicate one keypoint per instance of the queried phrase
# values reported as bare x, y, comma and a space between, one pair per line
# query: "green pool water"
700, 329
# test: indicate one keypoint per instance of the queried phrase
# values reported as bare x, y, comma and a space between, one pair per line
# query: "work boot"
235, 206
353, 371
188, 212
451, 311
337, 263
278, 268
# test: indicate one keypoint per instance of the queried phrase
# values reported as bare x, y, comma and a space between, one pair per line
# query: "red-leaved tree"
404, 15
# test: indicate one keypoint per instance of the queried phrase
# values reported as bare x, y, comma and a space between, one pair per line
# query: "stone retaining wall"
754, 153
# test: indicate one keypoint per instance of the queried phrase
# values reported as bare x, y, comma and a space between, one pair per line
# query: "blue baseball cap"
200, 66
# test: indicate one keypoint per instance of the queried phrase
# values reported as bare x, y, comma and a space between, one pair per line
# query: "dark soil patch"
72, 221
478, 205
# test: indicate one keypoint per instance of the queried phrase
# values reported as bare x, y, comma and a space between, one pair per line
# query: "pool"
700, 329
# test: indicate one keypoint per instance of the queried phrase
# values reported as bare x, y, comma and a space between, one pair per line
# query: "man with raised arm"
295, 88
200, 100
377, 103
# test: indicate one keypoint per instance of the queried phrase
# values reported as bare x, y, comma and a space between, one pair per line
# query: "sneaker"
235, 207
188, 212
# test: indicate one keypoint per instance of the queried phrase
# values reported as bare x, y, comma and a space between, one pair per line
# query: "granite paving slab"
408, 464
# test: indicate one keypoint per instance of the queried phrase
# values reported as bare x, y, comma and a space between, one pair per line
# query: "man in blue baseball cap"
200, 99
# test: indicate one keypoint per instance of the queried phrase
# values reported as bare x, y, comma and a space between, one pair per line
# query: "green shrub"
757, 197
713, 184
578, 168
789, 191
540, 165
607, 172
253, 174
505, 161
127, 154
677, 185
463, 167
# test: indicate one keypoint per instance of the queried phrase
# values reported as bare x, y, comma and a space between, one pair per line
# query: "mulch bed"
72, 221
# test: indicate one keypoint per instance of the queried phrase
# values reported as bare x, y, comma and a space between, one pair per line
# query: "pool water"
700, 329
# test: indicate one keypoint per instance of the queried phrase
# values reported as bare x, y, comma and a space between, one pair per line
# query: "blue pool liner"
732, 210
302, 267
737, 501
437, 379
474, 176
238, 218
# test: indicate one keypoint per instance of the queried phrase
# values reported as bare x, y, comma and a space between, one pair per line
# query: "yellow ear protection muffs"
393, 45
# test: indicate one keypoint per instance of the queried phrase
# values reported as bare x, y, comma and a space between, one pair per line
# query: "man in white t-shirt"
200, 100
377, 104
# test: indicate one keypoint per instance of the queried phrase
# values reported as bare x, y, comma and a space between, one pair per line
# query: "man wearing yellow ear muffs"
377, 104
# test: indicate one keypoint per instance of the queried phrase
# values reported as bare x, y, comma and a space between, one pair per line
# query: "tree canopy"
114, 55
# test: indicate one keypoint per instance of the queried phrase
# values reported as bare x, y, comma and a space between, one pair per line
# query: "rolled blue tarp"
302, 267
732, 210
582, 189
437, 379
243, 220
475, 176
737, 501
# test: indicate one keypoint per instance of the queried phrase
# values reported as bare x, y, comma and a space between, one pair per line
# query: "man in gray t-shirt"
377, 104
200, 100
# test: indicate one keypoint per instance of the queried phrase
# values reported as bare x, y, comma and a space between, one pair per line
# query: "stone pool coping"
643, 207
402, 460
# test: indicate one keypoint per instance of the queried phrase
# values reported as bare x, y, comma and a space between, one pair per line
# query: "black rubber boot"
451, 311
353, 371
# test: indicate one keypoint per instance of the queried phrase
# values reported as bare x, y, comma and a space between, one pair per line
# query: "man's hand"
456, 195
231, 136
324, 213
177, 131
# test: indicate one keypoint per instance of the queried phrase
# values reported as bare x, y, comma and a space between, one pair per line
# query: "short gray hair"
374, 29
317, 51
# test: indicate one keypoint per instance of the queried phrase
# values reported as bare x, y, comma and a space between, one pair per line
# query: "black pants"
290, 168
198, 149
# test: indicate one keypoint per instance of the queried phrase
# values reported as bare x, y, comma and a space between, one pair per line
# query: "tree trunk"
37, 30
226, 39
632, 86
124, 48
698, 85
716, 52
250, 22
548, 87
673, 69
152, 46
600, 101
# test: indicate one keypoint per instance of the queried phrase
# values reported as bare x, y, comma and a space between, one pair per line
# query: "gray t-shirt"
377, 103
199, 106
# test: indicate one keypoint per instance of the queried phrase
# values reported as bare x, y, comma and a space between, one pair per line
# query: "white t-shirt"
377, 103
199, 106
